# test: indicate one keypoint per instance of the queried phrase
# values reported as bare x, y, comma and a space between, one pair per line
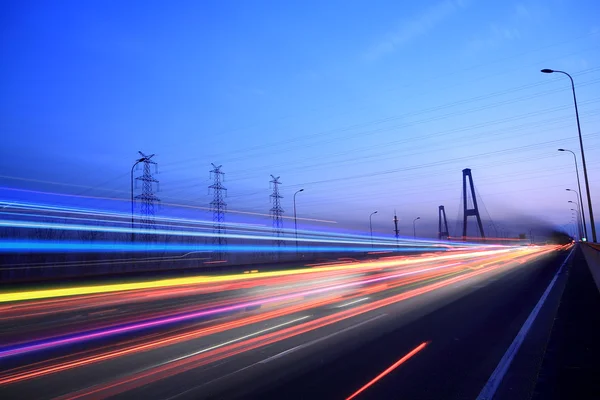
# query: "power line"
321, 134
527, 158
436, 135
487, 212
436, 163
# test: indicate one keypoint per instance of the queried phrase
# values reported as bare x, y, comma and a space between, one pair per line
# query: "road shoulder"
570, 366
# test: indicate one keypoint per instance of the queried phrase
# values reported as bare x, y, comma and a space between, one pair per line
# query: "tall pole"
295, 219
132, 168
414, 227
585, 175
371, 226
531, 236
396, 231
578, 193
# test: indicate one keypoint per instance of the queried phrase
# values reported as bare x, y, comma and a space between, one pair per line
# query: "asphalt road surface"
420, 327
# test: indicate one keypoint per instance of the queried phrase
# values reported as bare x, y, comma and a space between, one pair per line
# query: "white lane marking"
209, 382
235, 340
273, 357
489, 390
283, 353
352, 302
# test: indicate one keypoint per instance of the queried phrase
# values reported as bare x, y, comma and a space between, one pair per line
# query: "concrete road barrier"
591, 252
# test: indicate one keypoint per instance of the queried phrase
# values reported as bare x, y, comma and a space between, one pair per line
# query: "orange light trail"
386, 281
16, 377
187, 363
389, 369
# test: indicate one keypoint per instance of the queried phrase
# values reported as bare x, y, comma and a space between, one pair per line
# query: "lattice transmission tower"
218, 205
277, 211
147, 198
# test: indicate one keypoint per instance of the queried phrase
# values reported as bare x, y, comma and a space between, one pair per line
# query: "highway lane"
467, 330
317, 334
466, 340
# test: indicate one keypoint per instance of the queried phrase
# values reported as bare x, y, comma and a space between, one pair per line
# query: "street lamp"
371, 226
531, 236
578, 196
579, 215
578, 221
132, 168
587, 185
579, 192
414, 228
295, 220
572, 227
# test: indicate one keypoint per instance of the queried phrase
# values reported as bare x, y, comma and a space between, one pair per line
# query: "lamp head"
547, 71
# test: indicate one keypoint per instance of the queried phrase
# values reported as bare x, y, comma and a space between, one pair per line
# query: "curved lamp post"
587, 185
371, 226
414, 227
579, 192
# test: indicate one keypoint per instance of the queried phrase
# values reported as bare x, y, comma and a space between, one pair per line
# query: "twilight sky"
367, 105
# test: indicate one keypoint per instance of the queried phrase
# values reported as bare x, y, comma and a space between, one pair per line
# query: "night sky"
367, 105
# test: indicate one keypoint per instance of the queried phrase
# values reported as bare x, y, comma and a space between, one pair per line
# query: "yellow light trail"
172, 282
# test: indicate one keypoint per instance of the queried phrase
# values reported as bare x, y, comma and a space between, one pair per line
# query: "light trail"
70, 220
158, 343
239, 339
331, 292
392, 367
15, 246
186, 317
83, 290
174, 205
162, 372
223, 304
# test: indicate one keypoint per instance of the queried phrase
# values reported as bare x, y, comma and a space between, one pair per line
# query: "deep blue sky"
368, 105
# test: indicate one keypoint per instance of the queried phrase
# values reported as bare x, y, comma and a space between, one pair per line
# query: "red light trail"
389, 369
229, 315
